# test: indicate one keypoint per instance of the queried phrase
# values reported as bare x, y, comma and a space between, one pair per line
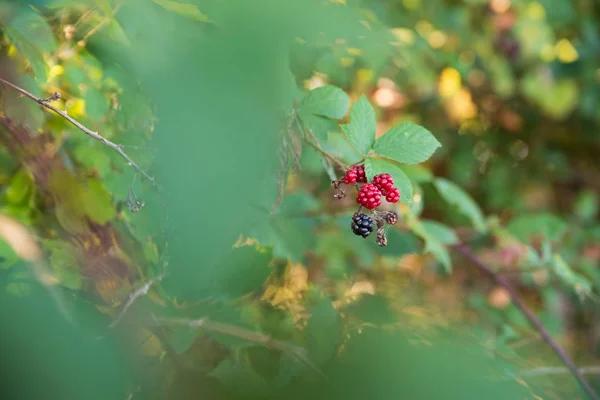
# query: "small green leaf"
63, 261
360, 132
21, 188
407, 143
241, 379
374, 166
185, 10
327, 101
8, 257
248, 262
440, 231
323, 331
579, 283
433, 238
454, 195
182, 339
543, 224
96, 202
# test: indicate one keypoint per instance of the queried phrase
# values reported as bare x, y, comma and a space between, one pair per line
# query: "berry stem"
314, 142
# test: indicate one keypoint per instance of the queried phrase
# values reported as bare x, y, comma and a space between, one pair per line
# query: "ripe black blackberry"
362, 225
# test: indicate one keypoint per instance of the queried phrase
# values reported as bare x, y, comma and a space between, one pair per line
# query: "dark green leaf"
440, 231
245, 271
360, 132
407, 143
327, 101
241, 379
323, 332
543, 224
462, 201
182, 339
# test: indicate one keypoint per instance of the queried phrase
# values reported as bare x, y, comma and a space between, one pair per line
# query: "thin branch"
590, 370
244, 334
539, 327
92, 134
136, 295
314, 142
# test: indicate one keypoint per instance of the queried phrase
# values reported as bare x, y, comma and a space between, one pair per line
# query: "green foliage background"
239, 277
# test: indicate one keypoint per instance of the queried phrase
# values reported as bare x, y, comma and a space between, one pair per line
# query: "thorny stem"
89, 132
560, 352
314, 142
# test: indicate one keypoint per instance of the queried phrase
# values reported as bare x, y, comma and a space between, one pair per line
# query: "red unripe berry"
384, 182
350, 177
360, 174
369, 196
393, 195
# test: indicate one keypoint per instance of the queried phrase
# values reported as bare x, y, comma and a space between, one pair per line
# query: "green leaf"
407, 143
465, 204
327, 101
323, 332
185, 10
360, 132
440, 231
63, 261
417, 173
96, 202
31, 35
182, 339
8, 257
374, 166
248, 262
241, 379
546, 225
21, 188
434, 240
579, 283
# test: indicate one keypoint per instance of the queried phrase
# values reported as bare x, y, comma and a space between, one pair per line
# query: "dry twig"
95, 135
539, 327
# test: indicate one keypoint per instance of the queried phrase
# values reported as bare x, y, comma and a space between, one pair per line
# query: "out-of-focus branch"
538, 326
95, 135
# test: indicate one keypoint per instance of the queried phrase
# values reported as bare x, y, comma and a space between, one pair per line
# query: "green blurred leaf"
181, 339
326, 101
546, 225
21, 188
465, 204
245, 270
360, 132
586, 205
323, 331
407, 143
8, 257
63, 261
240, 379
434, 240
581, 285
374, 166
417, 173
440, 231
186, 10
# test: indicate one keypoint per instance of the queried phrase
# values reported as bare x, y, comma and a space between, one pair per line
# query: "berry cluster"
370, 194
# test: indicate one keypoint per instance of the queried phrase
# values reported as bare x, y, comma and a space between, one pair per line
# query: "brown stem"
539, 327
89, 132
314, 142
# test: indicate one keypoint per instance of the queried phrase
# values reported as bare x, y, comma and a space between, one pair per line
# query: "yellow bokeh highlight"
403, 35
353, 51
55, 71
423, 28
411, 4
346, 62
535, 11
437, 39
364, 75
548, 53
449, 83
566, 52
75, 107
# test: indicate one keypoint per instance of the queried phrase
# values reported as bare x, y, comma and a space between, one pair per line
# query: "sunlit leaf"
407, 143
360, 132
326, 101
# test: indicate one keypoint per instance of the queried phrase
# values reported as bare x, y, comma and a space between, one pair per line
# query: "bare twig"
244, 334
92, 134
136, 295
314, 142
545, 371
539, 327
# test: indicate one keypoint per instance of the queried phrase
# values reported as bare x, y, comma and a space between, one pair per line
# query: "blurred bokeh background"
238, 276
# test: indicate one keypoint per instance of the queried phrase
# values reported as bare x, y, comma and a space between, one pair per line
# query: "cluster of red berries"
370, 194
